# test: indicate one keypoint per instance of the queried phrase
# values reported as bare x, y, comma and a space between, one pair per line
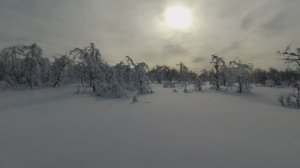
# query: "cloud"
235, 45
198, 60
136, 28
174, 49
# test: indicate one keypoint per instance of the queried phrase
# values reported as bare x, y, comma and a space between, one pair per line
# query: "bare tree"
291, 57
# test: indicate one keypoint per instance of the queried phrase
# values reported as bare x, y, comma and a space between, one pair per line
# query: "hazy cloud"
248, 29
198, 60
174, 49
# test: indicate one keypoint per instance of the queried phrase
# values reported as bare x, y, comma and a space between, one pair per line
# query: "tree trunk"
240, 86
57, 81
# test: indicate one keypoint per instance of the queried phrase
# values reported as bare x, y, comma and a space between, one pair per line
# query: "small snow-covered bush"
169, 84
291, 101
4, 85
111, 90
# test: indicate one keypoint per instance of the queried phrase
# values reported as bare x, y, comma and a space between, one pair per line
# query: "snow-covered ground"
56, 128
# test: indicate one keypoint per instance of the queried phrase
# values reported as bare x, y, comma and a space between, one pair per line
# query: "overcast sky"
251, 30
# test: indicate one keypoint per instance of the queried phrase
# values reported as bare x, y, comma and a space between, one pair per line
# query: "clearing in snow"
55, 127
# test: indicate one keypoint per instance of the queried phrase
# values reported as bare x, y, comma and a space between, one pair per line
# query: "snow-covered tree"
126, 75
292, 58
24, 65
198, 83
289, 77
274, 75
58, 68
82, 74
164, 74
259, 76
11, 64
32, 65
120, 71
204, 74
141, 80
105, 80
183, 73
219, 68
242, 75
45, 65
110, 87
90, 59
161, 73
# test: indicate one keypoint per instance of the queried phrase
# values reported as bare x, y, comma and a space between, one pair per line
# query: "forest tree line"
26, 66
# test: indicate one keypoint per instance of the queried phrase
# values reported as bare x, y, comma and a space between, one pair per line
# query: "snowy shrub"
90, 60
111, 90
169, 84
4, 85
291, 101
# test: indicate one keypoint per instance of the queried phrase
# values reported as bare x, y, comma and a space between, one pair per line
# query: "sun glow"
178, 17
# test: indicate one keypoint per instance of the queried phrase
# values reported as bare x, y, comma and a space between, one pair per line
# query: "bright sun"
178, 17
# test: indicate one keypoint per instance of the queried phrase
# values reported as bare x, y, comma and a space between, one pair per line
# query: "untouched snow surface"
56, 128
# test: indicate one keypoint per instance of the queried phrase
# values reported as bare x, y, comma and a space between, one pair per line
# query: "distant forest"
25, 66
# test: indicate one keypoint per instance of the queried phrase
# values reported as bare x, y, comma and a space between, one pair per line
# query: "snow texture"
57, 128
